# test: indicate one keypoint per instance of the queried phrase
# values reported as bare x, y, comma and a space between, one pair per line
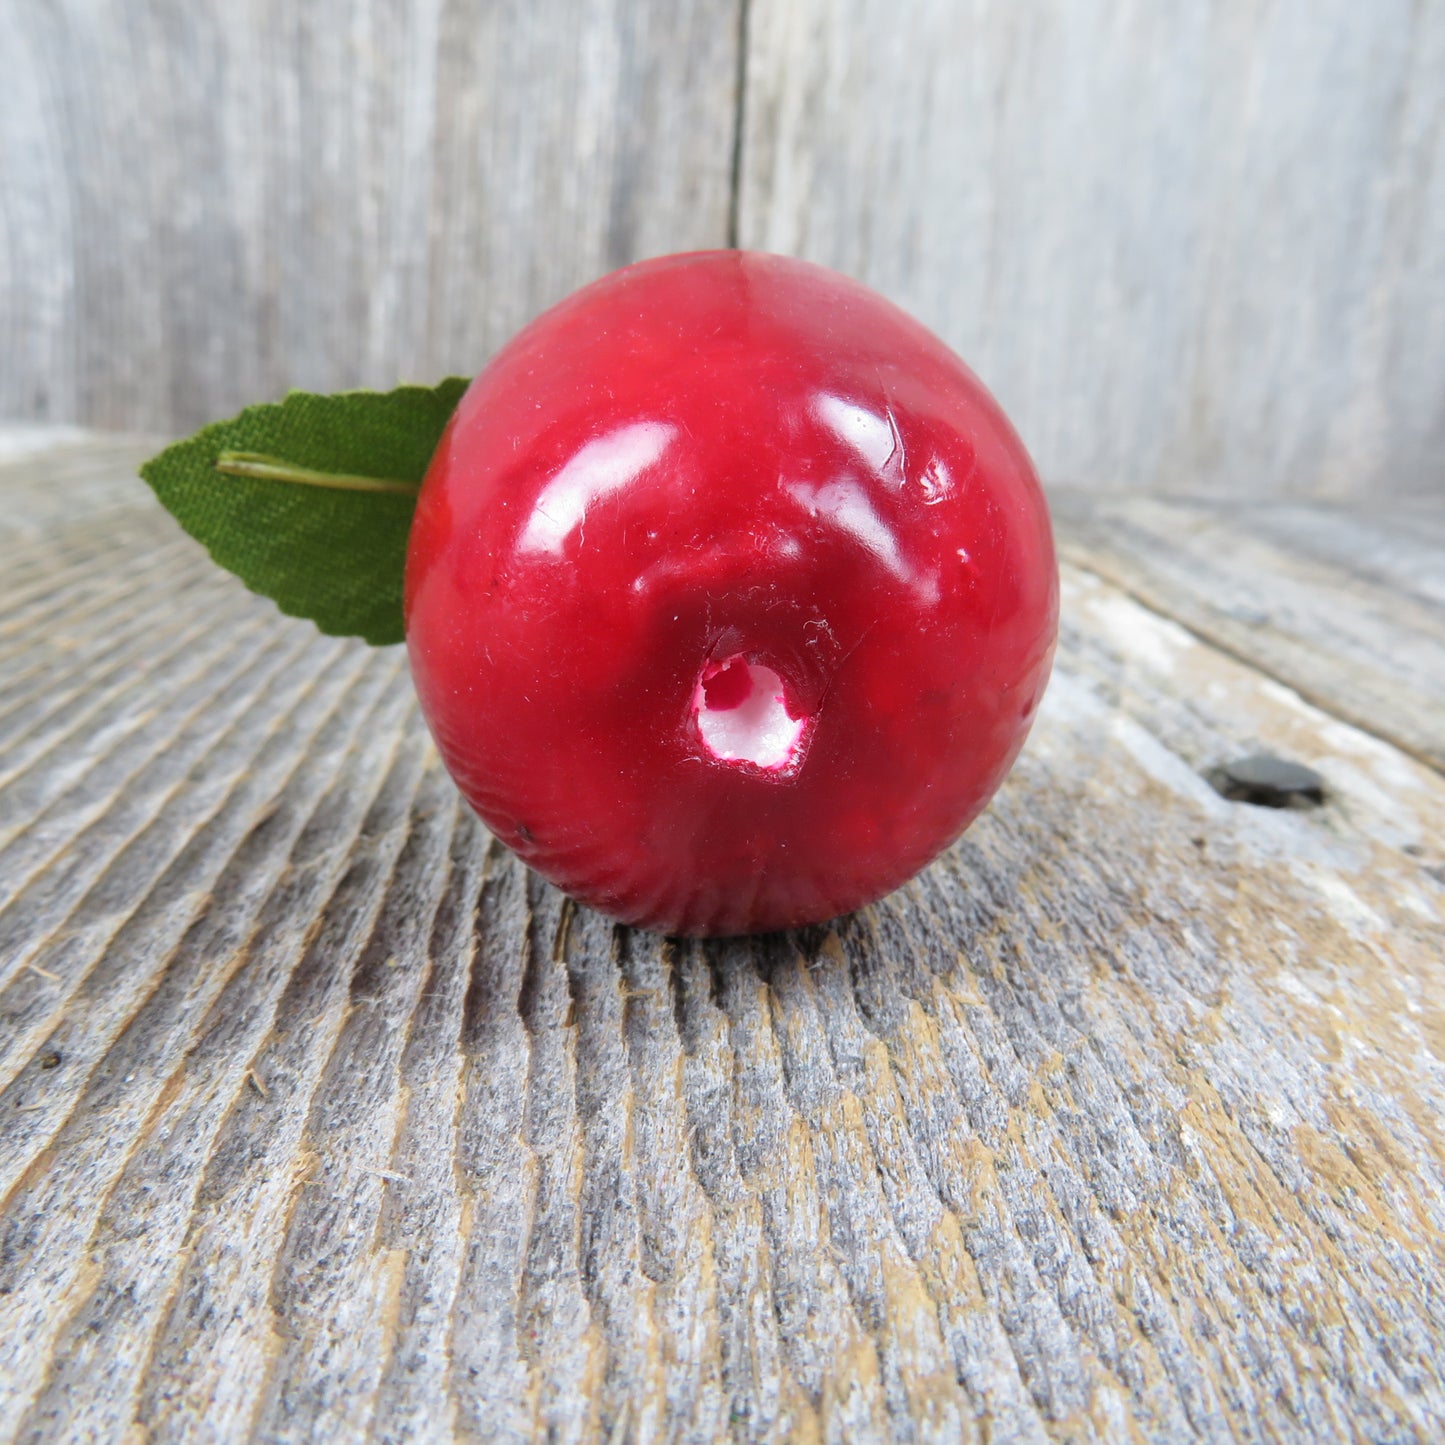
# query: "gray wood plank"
1194, 247
207, 204
321, 1118
1347, 606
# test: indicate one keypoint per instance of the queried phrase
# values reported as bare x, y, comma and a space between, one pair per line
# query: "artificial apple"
730, 594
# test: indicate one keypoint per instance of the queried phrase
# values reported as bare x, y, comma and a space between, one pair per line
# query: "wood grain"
207, 204
1346, 606
1195, 247
321, 1118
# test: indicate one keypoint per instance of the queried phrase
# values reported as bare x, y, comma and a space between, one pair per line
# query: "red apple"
730, 595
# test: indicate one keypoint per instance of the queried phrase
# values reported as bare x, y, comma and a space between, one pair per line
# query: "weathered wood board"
321, 1119
1189, 246
207, 204
1194, 248
1347, 614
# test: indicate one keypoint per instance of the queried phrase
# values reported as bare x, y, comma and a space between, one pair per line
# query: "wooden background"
321, 1119
1191, 244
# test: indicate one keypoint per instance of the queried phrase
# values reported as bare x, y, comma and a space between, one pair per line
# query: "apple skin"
709, 458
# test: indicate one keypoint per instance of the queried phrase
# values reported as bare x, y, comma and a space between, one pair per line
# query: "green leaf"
309, 500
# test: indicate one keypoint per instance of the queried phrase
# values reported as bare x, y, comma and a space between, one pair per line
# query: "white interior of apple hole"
743, 717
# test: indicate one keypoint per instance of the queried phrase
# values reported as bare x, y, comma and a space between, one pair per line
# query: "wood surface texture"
1196, 246
1349, 617
321, 1119
205, 204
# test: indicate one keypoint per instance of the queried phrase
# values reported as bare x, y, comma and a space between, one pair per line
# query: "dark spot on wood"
727, 959
50, 1060
773, 953
672, 958
534, 972
1268, 782
809, 943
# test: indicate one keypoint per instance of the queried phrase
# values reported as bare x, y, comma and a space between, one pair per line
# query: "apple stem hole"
742, 715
